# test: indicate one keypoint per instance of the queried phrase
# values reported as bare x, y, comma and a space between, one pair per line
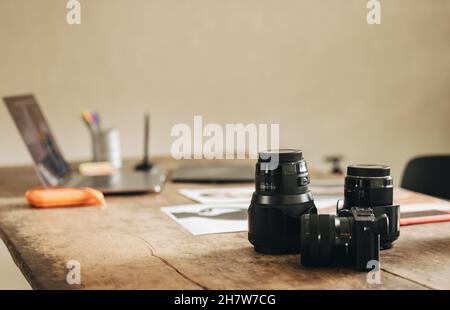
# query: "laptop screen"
41, 144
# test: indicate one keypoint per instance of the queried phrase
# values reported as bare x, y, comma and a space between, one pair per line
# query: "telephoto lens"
281, 197
353, 239
371, 186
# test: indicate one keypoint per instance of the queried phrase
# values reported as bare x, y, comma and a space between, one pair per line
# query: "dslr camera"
352, 238
366, 222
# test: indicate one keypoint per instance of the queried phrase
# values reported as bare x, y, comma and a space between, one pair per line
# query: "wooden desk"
131, 244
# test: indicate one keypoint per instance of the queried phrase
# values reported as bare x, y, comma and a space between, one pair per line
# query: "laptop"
219, 173
53, 169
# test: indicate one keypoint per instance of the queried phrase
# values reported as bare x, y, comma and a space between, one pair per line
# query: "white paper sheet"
225, 214
228, 195
416, 207
200, 219
324, 202
242, 195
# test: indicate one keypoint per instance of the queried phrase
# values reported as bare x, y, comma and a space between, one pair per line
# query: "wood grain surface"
131, 244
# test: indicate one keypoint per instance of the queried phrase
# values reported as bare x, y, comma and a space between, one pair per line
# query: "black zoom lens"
281, 197
326, 239
371, 186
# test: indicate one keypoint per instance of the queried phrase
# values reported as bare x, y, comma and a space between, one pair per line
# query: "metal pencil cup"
106, 147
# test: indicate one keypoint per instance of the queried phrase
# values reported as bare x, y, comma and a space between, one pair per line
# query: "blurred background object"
335, 161
105, 142
145, 164
336, 85
428, 175
106, 147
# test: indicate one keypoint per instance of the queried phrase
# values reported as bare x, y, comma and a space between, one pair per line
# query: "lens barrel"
368, 185
281, 197
326, 239
371, 186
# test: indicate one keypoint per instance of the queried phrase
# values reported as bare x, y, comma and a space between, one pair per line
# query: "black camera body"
350, 239
281, 197
367, 229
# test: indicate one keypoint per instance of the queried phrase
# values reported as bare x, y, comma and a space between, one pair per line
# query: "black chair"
428, 175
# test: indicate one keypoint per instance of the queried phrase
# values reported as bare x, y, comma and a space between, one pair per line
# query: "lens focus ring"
317, 239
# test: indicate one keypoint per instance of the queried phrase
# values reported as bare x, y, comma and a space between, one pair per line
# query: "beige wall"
334, 83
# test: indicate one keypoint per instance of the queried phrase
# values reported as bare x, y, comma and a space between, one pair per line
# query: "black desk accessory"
145, 165
335, 161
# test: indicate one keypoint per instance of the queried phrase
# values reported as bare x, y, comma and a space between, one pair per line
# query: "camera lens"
326, 239
371, 186
281, 197
277, 181
368, 185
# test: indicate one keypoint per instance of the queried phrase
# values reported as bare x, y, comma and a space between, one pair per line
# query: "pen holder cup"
106, 147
